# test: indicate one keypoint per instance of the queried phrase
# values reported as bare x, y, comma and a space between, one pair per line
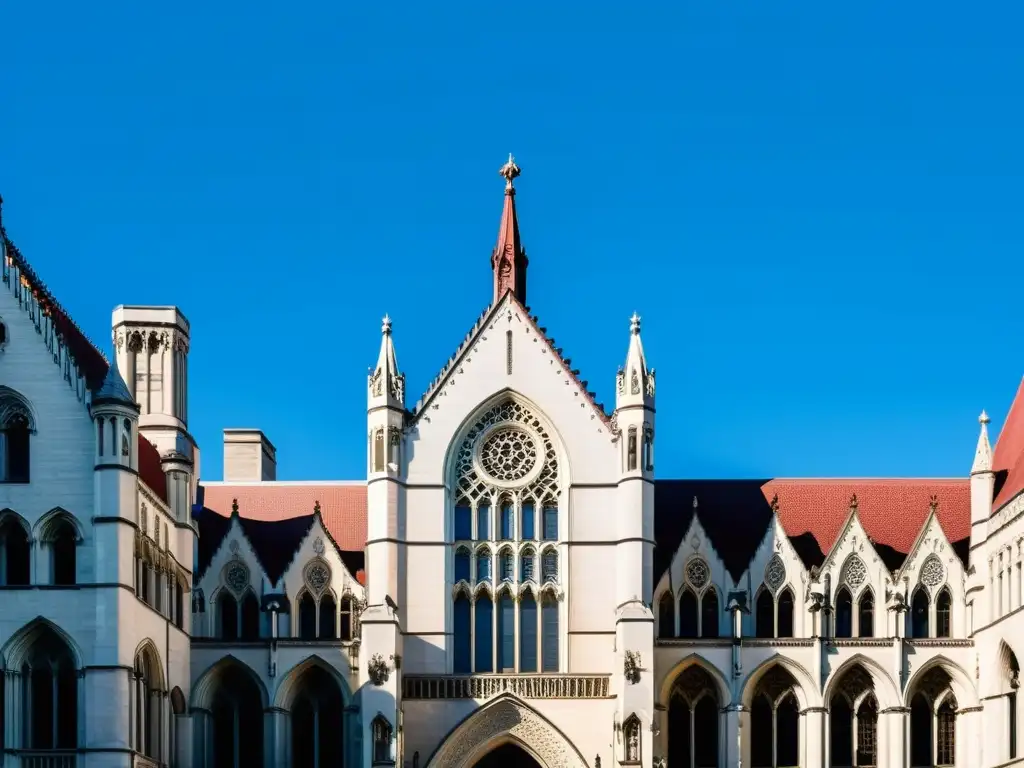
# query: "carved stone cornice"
544, 686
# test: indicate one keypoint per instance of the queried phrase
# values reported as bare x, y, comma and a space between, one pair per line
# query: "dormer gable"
931, 569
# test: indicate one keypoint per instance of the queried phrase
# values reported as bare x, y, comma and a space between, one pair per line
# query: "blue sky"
816, 208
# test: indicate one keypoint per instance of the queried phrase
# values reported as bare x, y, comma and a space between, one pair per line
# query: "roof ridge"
464, 345
51, 319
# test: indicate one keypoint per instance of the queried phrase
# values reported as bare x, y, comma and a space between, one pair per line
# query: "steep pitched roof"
736, 514
1008, 459
342, 505
91, 364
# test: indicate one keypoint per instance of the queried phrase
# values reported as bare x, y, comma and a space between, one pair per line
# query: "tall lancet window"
507, 611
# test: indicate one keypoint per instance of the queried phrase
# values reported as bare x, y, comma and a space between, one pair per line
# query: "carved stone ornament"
620, 381
377, 669
697, 573
631, 667
236, 576
775, 573
634, 382
506, 718
508, 455
233, 546
932, 572
854, 572
318, 576
318, 545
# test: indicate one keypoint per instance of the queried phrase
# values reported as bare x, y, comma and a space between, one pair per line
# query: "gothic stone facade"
511, 583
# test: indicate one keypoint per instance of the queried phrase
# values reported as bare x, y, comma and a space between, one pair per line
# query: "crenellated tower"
634, 551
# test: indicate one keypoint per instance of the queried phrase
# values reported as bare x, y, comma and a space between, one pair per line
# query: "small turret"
387, 385
635, 383
117, 423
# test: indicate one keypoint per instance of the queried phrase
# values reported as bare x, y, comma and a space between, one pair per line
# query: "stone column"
812, 725
12, 710
733, 733
893, 747
276, 725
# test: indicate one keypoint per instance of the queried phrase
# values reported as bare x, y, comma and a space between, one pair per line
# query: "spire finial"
234, 507
984, 419
933, 502
509, 171
775, 503
385, 324
634, 324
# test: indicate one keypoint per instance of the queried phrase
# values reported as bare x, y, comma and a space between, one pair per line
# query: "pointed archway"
508, 755
506, 729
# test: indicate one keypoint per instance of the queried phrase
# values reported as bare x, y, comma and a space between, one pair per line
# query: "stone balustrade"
553, 686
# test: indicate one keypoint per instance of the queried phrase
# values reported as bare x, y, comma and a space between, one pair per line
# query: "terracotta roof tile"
1008, 459
150, 470
342, 505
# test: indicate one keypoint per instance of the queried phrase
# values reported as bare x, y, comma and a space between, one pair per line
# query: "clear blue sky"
815, 207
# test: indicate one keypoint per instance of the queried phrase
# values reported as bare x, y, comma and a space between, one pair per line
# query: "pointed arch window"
844, 613
227, 612
528, 636
16, 427
786, 610
919, 606
508, 565
63, 542
933, 710
345, 616
327, 624
764, 617
667, 616
49, 694
463, 635
866, 615
507, 520
15, 554
549, 630
483, 632
693, 720
528, 525
250, 617
689, 618
462, 565
632, 741
631, 449
943, 610
774, 721
483, 565
382, 739
549, 568
710, 613
149, 704
307, 617
527, 563
506, 634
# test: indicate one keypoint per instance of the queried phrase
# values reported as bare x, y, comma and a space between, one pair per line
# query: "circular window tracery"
508, 455
697, 573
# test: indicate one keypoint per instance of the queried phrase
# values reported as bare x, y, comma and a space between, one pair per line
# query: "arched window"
462, 568
631, 449
774, 721
328, 618
317, 720
483, 651
666, 616
919, 614
529, 638
844, 613
63, 541
506, 633
943, 606
345, 618
227, 612
250, 616
933, 720
1010, 684
462, 635
549, 632
506, 462
381, 741
688, 614
709, 614
693, 715
483, 565
764, 618
866, 615
49, 682
14, 551
149, 703
785, 620
16, 427
463, 522
307, 617
853, 720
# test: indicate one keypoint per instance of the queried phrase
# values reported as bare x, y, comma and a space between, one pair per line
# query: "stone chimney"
249, 457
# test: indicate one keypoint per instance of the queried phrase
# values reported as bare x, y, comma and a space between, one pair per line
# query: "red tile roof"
342, 506
892, 511
150, 470
1008, 459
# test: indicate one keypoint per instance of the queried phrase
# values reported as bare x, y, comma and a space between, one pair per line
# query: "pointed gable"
736, 514
1008, 459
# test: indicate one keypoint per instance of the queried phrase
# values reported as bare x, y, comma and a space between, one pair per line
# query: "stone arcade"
552, 602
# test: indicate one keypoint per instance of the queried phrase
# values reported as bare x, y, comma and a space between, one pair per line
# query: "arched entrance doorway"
507, 756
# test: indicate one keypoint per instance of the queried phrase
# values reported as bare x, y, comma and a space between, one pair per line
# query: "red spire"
508, 261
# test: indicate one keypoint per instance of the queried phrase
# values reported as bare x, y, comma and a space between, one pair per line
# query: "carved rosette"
775, 573
236, 576
317, 576
932, 572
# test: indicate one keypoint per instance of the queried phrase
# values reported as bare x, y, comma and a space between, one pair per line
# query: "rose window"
697, 573
856, 572
775, 573
508, 455
932, 572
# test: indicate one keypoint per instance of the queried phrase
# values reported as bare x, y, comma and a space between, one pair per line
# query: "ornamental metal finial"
385, 325
316, 507
509, 171
984, 419
853, 501
234, 507
634, 324
933, 502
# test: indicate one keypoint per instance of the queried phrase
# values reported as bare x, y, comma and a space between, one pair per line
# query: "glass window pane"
484, 635
483, 522
463, 523
550, 524
527, 634
528, 522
